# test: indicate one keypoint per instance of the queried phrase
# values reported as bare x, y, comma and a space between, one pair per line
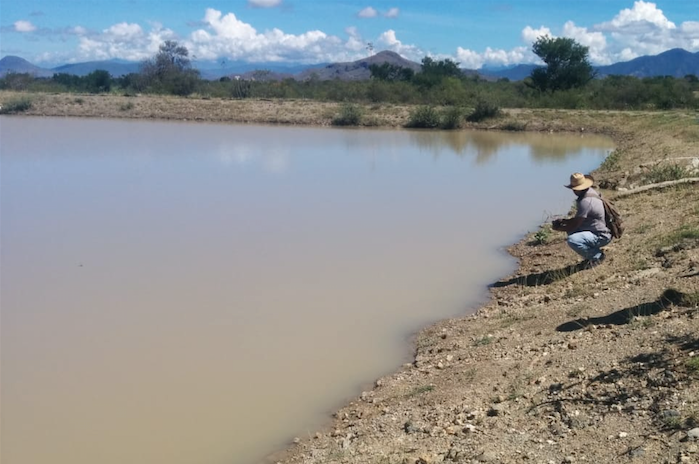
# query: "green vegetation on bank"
566, 82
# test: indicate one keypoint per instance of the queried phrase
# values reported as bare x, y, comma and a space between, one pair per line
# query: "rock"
693, 434
487, 456
637, 452
623, 435
496, 410
568, 459
693, 449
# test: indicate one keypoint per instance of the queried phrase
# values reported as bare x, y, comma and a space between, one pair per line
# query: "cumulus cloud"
529, 35
264, 3
368, 12
492, 57
389, 41
227, 36
123, 40
24, 26
392, 13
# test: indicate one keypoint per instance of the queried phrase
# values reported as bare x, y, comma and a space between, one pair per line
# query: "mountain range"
676, 62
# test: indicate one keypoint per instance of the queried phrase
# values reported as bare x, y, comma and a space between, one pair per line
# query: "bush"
664, 173
484, 110
16, 105
350, 115
451, 118
424, 117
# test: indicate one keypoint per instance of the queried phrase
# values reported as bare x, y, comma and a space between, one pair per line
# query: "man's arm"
567, 225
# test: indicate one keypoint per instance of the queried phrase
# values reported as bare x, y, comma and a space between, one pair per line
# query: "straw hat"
580, 181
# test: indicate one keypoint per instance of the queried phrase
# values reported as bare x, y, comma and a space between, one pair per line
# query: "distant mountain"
20, 65
116, 68
357, 70
515, 73
676, 62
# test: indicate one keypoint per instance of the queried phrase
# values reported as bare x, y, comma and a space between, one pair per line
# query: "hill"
676, 63
357, 70
20, 65
116, 68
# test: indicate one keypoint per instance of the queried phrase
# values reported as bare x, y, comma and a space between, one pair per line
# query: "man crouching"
587, 230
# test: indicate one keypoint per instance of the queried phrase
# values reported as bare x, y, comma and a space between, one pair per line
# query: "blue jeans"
587, 244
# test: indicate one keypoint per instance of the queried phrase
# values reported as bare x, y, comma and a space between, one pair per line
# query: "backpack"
612, 217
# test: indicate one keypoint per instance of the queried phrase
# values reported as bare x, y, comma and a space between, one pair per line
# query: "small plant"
126, 106
693, 364
424, 117
543, 236
420, 390
485, 340
349, 115
16, 105
662, 173
611, 162
484, 110
79, 101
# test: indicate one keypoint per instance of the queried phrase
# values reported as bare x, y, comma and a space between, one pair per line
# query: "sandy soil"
563, 364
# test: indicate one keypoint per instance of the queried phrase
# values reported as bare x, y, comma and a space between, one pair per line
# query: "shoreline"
556, 365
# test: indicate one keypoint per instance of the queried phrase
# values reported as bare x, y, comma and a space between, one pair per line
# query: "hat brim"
586, 184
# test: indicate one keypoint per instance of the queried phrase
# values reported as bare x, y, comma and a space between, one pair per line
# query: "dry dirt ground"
563, 364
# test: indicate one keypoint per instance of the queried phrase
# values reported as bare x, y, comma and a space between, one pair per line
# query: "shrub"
483, 110
16, 105
350, 115
662, 173
451, 118
424, 117
126, 106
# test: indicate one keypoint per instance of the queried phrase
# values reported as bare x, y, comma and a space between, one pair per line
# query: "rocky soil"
564, 364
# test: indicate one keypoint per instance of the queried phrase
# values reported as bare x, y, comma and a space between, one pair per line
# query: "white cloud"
492, 57
643, 16
390, 42
24, 26
392, 13
368, 12
122, 40
227, 36
595, 41
529, 35
264, 3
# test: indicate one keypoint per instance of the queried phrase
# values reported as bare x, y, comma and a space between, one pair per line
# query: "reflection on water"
190, 293
483, 146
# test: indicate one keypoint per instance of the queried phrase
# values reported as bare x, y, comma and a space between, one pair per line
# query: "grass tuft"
16, 105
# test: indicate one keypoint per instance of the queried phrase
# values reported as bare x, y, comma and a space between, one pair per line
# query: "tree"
98, 81
434, 72
171, 70
390, 72
567, 64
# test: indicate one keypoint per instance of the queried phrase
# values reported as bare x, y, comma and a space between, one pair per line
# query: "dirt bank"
563, 364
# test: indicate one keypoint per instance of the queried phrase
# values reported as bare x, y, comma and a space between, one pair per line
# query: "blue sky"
475, 33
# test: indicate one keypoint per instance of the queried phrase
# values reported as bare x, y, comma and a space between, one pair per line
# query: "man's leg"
587, 244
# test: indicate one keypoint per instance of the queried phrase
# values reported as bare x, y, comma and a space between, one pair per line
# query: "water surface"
195, 293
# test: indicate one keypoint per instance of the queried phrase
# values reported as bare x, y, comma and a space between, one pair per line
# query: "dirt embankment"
564, 364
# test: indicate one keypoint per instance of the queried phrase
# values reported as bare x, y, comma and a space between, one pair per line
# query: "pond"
202, 293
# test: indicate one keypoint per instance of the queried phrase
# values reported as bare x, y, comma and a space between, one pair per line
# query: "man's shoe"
596, 262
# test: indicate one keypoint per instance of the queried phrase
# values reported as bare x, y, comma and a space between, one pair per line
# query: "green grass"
485, 340
663, 173
693, 364
685, 232
420, 390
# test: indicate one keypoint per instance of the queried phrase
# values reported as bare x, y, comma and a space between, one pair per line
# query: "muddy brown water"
200, 293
